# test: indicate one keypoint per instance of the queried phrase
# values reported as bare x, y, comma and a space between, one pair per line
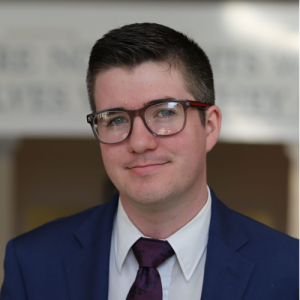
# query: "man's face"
149, 170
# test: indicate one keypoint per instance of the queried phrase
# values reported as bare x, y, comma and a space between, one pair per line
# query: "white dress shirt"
181, 275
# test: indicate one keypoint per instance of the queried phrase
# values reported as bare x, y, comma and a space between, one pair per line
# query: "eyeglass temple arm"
198, 104
89, 118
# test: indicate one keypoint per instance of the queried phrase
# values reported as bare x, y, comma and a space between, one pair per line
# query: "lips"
146, 169
145, 165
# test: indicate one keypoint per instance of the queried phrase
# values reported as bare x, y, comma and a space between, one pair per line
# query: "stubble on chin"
149, 198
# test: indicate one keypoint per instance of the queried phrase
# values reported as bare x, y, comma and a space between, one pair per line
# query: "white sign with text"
253, 49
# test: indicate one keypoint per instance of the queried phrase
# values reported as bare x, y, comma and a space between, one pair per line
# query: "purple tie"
150, 254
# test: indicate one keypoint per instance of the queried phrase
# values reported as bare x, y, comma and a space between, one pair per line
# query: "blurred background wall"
50, 163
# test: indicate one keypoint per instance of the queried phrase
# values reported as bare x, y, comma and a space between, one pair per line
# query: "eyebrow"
145, 103
157, 100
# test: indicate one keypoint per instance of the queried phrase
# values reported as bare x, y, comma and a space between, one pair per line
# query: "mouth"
146, 169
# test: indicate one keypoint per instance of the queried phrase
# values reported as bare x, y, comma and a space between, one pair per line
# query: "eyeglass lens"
162, 119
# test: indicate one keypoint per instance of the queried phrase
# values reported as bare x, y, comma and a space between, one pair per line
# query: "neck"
162, 219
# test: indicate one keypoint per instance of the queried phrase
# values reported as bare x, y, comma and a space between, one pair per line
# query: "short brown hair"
134, 44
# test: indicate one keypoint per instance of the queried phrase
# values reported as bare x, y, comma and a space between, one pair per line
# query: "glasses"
161, 118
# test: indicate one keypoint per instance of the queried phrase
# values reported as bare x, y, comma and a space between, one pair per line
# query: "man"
165, 235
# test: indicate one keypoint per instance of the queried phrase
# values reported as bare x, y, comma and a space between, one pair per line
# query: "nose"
141, 139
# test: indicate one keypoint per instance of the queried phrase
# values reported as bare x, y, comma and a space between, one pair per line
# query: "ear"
213, 126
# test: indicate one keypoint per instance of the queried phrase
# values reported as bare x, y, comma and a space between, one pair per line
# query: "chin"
150, 196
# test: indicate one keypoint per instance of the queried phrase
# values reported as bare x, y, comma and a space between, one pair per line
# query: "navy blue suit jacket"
68, 259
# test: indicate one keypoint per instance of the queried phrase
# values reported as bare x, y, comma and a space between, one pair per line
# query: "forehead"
132, 89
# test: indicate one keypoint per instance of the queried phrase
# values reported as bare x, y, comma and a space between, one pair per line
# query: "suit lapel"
226, 272
87, 269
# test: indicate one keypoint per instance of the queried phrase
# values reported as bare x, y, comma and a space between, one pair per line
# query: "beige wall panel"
57, 177
60, 177
251, 179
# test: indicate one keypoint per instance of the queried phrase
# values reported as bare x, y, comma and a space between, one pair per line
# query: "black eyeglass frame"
141, 112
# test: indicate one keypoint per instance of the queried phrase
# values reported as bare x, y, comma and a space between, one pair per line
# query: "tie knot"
151, 253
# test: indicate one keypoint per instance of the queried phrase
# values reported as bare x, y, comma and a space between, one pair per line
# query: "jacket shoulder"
54, 235
233, 225
263, 234
273, 252
255, 241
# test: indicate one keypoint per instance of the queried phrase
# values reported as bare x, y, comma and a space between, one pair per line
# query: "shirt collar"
189, 243
125, 236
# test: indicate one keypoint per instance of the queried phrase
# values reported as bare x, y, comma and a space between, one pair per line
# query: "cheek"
190, 140
107, 154
112, 156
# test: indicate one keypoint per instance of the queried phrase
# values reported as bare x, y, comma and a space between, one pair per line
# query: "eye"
165, 113
117, 121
